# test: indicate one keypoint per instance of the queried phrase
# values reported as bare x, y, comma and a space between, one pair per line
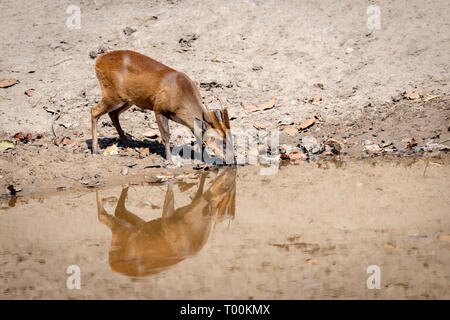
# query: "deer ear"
220, 119
226, 118
215, 123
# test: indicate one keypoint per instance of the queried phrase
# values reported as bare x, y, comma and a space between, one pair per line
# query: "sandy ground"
380, 93
245, 52
313, 238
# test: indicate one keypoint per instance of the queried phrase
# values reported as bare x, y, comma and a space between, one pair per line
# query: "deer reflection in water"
140, 248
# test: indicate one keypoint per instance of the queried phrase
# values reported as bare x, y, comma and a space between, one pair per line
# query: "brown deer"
129, 78
140, 248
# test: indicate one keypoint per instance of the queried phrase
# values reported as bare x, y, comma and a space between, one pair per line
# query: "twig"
54, 115
61, 61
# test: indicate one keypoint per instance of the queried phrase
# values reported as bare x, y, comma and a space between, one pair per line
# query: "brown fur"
129, 78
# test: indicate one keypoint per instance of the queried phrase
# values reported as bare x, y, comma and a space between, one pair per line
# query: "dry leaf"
111, 150
151, 134
296, 157
186, 176
412, 96
318, 85
307, 123
8, 83
250, 107
261, 107
311, 261
144, 152
393, 247
258, 125
290, 130
319, 118
444, 237
430, 98
19, 136
318, 98
70, 142
218, 60
310, 100
165, 176
30, 92
6, 144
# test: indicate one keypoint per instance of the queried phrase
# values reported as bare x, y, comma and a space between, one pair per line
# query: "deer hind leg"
114, 115
96, 112
122, 213
103, 216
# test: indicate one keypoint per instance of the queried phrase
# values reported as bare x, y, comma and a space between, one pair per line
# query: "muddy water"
308, 231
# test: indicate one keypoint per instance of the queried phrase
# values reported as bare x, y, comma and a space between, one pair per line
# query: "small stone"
433, 146
30, 92
372, 148
124, 171
286, 121
129, 31
257, 67
285, 148
412, 96
332, 147
310, 144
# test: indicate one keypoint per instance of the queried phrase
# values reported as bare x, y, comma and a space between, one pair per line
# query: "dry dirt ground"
243, 52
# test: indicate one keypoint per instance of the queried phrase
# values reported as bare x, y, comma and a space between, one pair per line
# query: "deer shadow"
157, 148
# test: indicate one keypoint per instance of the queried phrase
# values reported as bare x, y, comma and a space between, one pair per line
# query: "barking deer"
129, 78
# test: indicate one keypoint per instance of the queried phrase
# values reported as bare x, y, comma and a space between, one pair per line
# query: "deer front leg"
163, 125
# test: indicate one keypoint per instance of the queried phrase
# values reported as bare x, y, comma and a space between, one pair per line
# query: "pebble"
433, 146
286, 121
372, 148
310, 144
285, 148
129, 31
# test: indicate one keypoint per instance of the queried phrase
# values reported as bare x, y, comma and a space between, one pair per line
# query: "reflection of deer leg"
122, 213
103, 216
201, 185
169, 203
